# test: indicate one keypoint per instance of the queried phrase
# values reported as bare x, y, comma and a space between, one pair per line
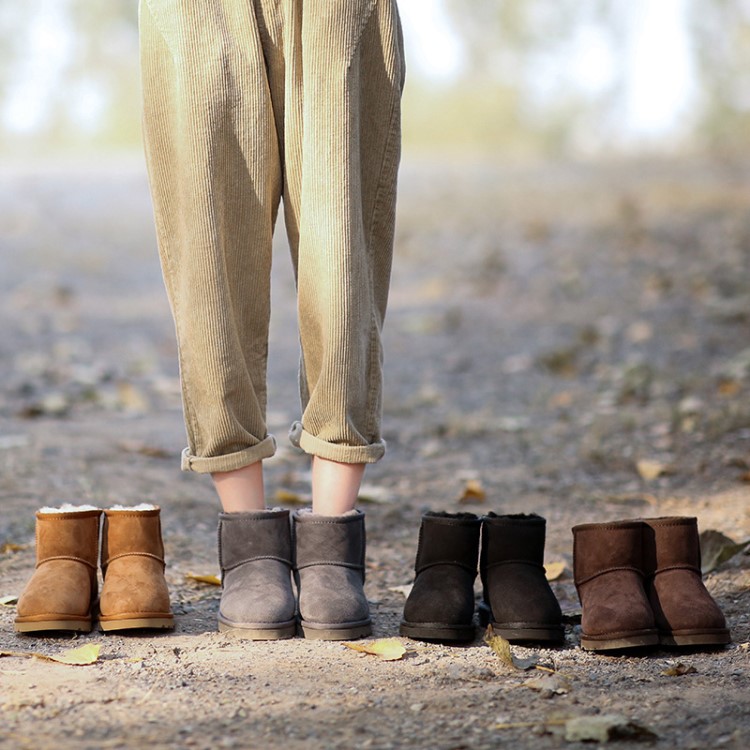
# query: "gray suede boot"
255, 554
330, 574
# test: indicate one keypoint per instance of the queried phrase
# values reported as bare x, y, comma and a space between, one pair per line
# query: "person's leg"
215, 175
241, 490
345, 70
342, 145
335, 486
215, 172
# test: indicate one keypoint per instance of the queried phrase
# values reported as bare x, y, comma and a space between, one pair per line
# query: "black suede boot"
440, 606
329, 569
517, 599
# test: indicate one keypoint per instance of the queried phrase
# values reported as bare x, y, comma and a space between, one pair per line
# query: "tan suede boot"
686, 614
608, 570
62, 590
134, 593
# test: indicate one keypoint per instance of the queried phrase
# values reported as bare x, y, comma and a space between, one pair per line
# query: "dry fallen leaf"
388, 649
144, 449
210, 579
82, 656
473, 492
650, 469
604, 728
6, 601
554, 570
289, 498
12, 547
502, 648
717, 548
679, 669
132, 399
77, 657
553, 684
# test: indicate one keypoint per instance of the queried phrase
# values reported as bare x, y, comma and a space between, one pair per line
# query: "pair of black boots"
516, 598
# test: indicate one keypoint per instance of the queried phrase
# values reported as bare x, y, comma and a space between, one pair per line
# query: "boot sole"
335, 632
437, 632
620, 642
693, 638
542, 634
137, 623
531, 631
280, 632
78, 626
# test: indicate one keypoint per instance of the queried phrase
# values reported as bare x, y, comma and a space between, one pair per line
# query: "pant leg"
214, 168
345, 73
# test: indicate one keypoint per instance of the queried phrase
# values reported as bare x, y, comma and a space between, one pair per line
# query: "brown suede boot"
517, 599
134, 593
608, 570
62, 590
685, 613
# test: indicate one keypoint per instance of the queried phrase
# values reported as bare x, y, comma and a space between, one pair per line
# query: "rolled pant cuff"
345, 454
231, 461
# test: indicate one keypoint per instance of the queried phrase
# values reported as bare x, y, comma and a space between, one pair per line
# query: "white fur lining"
309, 512
68, 508
142, 506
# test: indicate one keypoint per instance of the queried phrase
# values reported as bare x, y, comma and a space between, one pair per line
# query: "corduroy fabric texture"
247, 102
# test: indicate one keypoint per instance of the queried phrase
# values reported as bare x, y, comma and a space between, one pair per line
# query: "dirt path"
548, 329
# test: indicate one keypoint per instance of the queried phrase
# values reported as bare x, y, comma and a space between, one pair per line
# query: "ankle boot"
440, 606
134, 592
608, 571
517, 599
62, 591
685, 613
255, 554
330, 574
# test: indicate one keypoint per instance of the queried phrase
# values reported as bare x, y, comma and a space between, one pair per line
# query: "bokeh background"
508, 78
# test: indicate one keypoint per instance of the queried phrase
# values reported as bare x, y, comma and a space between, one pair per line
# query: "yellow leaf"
679, 669
388, 649
82, 656
554, 570
502, 648
289, 498
6, 601
210, 579
473, 492
649, 469
12, 547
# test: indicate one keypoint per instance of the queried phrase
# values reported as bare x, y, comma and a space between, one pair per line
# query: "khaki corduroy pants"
247, 102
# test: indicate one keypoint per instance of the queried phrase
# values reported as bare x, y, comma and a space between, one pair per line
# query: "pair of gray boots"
260, 551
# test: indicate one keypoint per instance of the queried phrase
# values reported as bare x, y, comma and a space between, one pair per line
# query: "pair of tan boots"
62, 592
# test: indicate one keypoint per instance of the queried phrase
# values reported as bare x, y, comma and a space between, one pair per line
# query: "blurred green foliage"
488, 107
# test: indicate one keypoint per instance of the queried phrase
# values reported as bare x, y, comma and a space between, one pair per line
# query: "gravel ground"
549, 329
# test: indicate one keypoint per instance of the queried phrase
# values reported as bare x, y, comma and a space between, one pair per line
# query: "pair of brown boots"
640, 584
62, 593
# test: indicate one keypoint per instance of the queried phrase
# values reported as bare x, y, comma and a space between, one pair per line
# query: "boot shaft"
448, 539
602, 547
131, 532
245, 537
324, 540
68, 534
512, 538
671, 542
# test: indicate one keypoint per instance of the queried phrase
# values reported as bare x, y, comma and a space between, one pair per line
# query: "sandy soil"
549, 328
